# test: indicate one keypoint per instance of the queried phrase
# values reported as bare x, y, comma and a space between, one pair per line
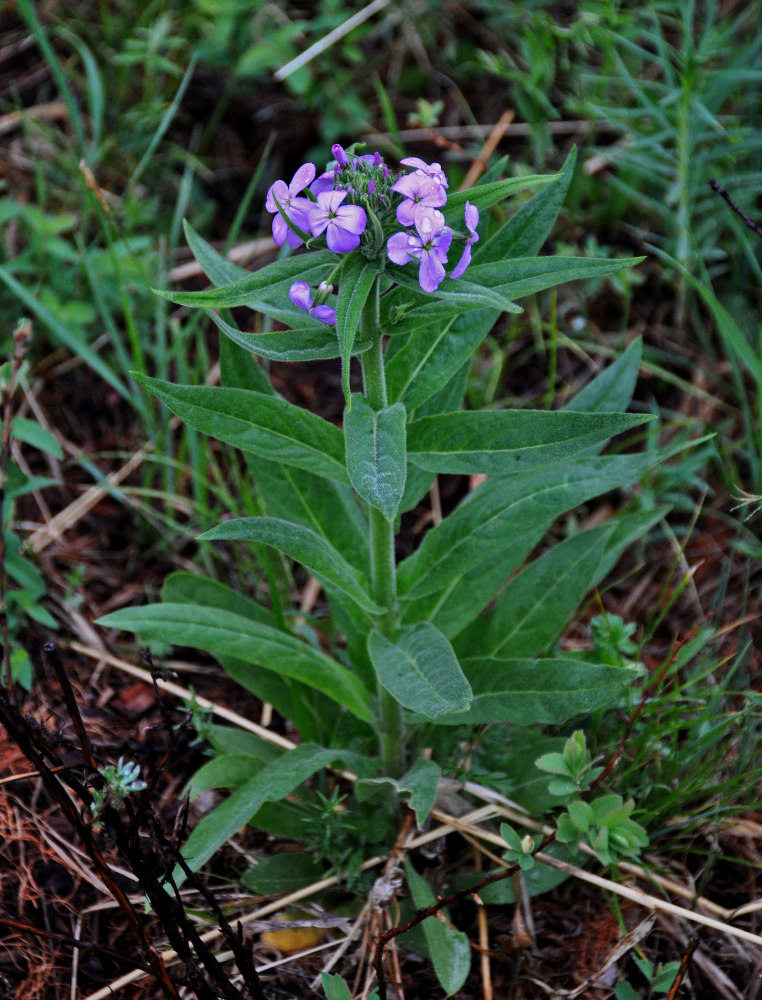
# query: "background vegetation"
114, 128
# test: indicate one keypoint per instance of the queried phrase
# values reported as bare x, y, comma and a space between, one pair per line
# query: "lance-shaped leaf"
304, 545
493, 515
224, 633
217, 268
420, 670
258, 423
522, 276
273, 280
461, 295
528, 691
510, 440
315, 342
375, 450
274, 782
611, 390
485, 195
449, 949
526, 231
355, 284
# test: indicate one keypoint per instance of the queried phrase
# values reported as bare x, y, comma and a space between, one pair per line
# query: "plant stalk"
383, 567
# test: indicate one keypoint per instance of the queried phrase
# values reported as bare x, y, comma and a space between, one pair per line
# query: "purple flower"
433, 170
324, 182
472, 221
417, 189
339, 155
430, 246
299, 293
342, 224
289, 200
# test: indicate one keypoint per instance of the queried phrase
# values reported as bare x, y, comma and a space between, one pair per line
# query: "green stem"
383, 568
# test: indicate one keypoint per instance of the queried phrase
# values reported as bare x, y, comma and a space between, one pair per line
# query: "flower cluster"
356, 203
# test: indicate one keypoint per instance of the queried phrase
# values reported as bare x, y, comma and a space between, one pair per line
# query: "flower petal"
304, 175
402, 247
465, 260
472, 221
325, 314
299, 293
280, 191
431, 271
352, 218
339, 239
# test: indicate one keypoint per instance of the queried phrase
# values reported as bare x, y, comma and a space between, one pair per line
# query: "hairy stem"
383, 568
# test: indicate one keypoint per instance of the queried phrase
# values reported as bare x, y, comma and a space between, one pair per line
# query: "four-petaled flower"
299, 293
472, 221
289, 200
430, 246
433, 170
417, 189
342, 224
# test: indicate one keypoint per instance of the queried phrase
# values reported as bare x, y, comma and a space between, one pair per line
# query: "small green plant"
604, 823
120, 780
660, 979
22, 587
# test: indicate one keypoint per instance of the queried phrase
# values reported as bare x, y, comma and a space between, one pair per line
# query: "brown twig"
150, 860
747, 220
682, 971
72, 942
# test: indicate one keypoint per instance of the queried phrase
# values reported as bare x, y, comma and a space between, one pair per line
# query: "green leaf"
271, 281
335, 988
525, 233
522, 276
329, 508
420, 670
375, 453
510, 440
535, 605
30, 432
486, 195
419, 786
432, 357
282, 873
293, 700
311, 342
611, 390
459, 295
217, 268
272, 783
305, 546
527, 692
355, 284
226, 771
191, 588
491, 516
239, 370
224, 633
258, 423
449, 949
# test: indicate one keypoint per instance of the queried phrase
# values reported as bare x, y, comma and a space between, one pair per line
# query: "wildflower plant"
408, 277
119, 781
